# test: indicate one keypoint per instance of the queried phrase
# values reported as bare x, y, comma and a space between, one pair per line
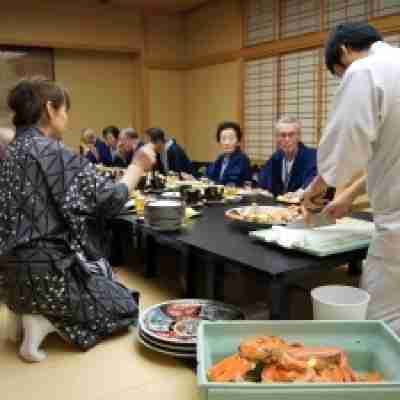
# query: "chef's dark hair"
156, 135
357, 36
28, 99
229, 125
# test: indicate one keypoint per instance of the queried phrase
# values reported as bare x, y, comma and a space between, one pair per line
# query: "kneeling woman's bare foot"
35, 329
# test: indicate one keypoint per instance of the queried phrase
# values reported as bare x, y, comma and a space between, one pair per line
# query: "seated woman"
53, 210
232, 166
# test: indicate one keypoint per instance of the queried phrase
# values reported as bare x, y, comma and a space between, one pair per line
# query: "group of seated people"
290, 169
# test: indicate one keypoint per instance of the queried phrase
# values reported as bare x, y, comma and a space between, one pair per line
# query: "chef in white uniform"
363, 132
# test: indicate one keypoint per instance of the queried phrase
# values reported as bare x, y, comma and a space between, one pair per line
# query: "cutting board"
346, 235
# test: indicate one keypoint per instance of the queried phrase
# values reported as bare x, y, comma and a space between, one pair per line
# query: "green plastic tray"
371, 346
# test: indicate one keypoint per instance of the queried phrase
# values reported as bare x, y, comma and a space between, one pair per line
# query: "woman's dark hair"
156, 135
111, 129
229, 125
357, 36
28, 99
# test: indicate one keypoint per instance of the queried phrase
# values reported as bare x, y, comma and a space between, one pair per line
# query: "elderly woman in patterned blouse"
52, 208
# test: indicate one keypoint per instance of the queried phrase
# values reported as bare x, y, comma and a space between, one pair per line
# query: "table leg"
189, 269
150, 256
355, 267
279, 298
212, 273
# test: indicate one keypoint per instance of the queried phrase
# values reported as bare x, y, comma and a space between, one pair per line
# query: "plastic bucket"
336, 302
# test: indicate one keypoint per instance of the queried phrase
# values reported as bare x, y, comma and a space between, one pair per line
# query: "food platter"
259, 217
176, 322
289, 198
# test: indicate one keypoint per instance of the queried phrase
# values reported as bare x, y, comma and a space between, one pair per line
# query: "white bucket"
336, 302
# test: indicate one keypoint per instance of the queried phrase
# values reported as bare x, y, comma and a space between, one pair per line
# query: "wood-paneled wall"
212, 95
103, 89
65, 25
167, 102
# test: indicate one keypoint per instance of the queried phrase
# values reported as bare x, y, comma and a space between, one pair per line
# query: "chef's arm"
356, 189
341, 205
353, 127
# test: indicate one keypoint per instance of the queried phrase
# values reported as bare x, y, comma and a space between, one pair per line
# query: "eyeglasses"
287, 135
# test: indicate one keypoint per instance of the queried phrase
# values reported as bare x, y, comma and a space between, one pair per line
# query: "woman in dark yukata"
53, 207
232, 167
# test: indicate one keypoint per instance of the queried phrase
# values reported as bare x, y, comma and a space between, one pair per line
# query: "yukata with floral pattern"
53, 210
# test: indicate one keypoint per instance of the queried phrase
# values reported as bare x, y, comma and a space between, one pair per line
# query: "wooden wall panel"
167, 102
67, 26
214, 28
211, 97
102, 88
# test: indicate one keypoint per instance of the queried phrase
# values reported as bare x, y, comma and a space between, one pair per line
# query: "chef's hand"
339, 207
145, 157
313, 197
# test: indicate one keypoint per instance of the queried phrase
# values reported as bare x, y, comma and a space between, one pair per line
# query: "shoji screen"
385, 7
298, 17
330, 84
337, 11
261, 23
298, 90
393, 40
260, 107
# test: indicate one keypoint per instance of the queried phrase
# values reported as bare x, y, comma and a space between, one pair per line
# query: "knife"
316, 219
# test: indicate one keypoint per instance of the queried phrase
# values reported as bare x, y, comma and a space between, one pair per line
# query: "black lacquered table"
210, 241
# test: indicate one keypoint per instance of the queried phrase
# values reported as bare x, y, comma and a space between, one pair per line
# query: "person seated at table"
129, 142
94, 148
55, 275
293, 166
232, 167
110, 138
87, 145
171, 157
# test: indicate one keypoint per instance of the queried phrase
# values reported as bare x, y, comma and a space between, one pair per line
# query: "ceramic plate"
176, 321
158, 349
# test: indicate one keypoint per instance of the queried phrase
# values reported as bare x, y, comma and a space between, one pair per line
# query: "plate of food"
258, 217
290, 198
176, 322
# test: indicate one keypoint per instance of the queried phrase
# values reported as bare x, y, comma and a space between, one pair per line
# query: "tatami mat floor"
118, 368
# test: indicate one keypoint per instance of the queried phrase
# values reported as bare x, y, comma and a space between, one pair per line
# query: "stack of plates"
171, 327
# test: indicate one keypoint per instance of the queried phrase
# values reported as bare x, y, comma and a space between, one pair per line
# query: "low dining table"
208, 242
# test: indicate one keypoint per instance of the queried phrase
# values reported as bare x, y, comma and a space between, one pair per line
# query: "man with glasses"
293, 166
363, 133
